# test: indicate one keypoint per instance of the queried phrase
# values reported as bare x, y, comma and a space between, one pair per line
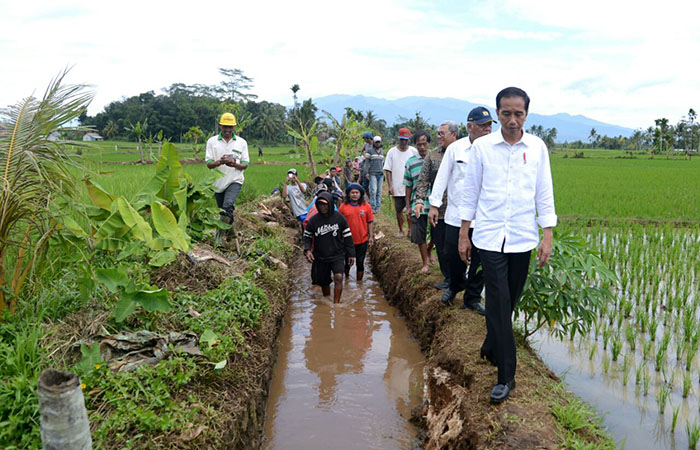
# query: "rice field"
642, 353
640, 361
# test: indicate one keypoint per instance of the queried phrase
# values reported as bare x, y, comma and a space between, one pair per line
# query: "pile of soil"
457, 412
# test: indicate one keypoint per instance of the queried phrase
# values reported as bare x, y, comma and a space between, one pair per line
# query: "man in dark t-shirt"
329, 235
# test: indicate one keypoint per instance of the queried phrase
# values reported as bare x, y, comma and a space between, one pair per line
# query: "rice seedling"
616, 347
687, 385
646, 381
625, 369
591, 352
662, 396
660, 359
693, 432
631, 337
674, 419
638, 373
646, 350
653, 325
606, 364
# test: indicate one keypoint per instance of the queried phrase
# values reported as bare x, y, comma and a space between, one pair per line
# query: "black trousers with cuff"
504, 275
474, 283
437, 233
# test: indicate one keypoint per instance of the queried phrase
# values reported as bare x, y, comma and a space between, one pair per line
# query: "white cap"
377, 139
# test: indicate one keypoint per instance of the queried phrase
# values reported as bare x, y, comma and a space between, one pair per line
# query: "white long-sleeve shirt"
450, 176
508, 191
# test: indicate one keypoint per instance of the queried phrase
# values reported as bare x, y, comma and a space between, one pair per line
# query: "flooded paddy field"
639, 363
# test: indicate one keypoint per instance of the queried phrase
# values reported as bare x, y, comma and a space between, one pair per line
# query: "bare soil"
458, 413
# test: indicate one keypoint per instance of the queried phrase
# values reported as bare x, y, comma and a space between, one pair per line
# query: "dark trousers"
360, 253
437, 233
505, 275
474, 283
227, 198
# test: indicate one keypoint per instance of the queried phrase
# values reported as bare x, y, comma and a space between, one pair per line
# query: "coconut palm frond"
33, 169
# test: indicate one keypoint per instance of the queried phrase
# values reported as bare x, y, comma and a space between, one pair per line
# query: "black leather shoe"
442, 285
500, 392
477, 307
448, 297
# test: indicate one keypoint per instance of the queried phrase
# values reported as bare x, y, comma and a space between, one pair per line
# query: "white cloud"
619, 62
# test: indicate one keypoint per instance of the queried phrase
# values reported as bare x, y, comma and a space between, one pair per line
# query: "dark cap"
480, 115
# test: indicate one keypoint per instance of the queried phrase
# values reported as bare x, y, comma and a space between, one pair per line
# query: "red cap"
404, 133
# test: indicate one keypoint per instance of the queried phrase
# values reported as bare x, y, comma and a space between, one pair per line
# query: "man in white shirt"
508, 192
228, 154
452, 173
394, 166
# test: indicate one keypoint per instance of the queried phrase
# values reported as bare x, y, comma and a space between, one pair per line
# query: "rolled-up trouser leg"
504, 276
456, 266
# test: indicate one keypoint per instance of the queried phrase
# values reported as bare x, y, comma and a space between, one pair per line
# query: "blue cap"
357, 186
367, 135
480, 115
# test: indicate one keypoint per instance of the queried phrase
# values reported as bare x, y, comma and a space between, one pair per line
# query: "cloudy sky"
621, 62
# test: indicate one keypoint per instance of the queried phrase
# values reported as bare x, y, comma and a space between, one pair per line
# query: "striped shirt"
414, 164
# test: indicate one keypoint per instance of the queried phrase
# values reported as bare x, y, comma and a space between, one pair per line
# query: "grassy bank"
213, 400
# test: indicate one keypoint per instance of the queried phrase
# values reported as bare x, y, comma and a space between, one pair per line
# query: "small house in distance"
92, 136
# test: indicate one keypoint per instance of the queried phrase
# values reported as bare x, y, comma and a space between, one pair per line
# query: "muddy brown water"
347, 375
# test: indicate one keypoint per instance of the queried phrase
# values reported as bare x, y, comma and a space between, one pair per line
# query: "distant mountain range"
437, 110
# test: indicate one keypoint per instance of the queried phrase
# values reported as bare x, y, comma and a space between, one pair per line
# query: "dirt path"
458, 413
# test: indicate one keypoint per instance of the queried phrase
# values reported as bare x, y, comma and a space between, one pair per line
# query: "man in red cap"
394, 166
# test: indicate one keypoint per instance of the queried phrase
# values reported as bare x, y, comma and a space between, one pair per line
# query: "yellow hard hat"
227, 119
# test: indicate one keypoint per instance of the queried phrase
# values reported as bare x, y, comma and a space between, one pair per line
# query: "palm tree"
593, 137
34, 172
295, 88
111, 129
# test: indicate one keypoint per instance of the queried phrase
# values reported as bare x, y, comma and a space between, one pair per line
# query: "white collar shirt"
451, 176
508, 191
237, 147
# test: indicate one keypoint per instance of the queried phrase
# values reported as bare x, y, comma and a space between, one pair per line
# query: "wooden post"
64, 421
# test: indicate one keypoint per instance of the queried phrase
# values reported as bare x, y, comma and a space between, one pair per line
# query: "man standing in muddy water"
228, 154
327, 244
508, 192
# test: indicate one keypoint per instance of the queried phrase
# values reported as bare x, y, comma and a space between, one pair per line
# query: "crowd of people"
477, 201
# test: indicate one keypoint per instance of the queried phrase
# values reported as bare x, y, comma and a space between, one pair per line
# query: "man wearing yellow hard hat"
228, 154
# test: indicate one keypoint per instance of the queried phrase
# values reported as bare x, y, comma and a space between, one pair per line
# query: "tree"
110, 130
139, 132
34, 173
593, 137
295, 88
193, 135
309, 140
348, 133
235, 86
663, 136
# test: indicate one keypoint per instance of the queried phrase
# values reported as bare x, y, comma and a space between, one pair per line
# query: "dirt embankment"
457, 412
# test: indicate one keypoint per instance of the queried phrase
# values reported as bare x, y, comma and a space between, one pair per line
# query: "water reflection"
347, 376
